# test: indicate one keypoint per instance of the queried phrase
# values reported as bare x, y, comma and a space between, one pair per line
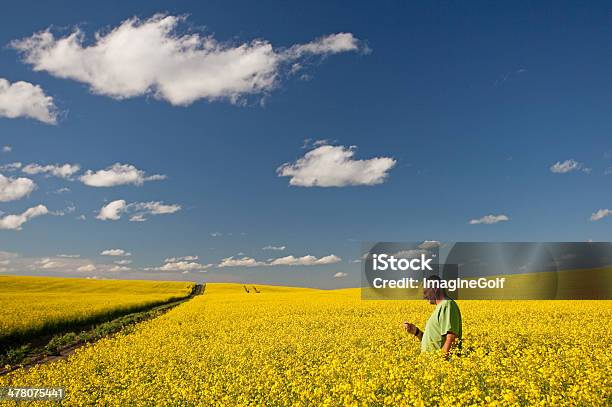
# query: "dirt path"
68, 350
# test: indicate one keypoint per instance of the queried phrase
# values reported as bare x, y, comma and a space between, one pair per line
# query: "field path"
68, 350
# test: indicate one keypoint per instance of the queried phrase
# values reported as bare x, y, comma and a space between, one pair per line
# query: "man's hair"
438, 289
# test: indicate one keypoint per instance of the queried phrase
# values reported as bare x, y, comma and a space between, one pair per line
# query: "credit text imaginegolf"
386, 262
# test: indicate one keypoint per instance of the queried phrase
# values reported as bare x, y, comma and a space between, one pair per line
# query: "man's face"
429, 294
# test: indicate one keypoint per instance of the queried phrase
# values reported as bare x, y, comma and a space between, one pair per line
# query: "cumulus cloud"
7, 149
139, 210
410, 253
489, 219
112, 210
150, 208
240, 262
61, 263
184, 264
142, 57
117, 174
48, 263
62, 190
279, 248
12, 189
57, 170
334, 166
182, 258
568, 166
14, 222
23, 99
115, 252
307, 260
119, 268
600, 214
123, 262
340, 274
429, 244
330, 44
137, 218
10, 166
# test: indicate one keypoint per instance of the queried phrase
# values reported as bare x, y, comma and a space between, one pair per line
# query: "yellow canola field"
29, 305
308, 347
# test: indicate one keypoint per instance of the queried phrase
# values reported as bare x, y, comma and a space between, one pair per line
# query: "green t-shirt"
445, 318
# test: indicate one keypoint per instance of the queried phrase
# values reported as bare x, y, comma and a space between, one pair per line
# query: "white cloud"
568, 166
340, 274
182, 258
10, 166
57, 170
151, 208
12, 189
117, 174
600, 214
69, 209
429, 244
48, 263
330, 44
334, 166
307, 260
184, 266
64, 264
489, 219
23, 99
137, 218
7, 149
216, 234
87, 268
123, 262
142, 57
240, 262
8, 255
181, 264
112, 211
410, 253
14, 222
61, 190
115, 252
156, 208
119, 268
279, 248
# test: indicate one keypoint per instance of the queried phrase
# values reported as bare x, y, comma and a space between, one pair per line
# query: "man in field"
443, 329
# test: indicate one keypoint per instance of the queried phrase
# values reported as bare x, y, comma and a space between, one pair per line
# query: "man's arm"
448, 343
413, 329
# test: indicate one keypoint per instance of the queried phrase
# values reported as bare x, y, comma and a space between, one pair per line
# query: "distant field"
33, 305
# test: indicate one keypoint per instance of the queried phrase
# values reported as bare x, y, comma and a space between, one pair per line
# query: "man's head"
432, 294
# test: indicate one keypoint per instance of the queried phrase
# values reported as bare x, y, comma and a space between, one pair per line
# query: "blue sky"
470, 105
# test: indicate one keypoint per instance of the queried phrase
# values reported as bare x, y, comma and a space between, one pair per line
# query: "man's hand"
412, 329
